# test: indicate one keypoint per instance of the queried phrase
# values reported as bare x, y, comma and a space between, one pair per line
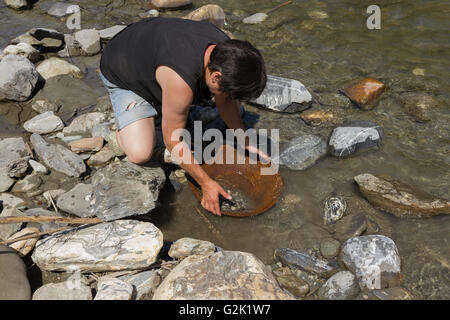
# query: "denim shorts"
121, 99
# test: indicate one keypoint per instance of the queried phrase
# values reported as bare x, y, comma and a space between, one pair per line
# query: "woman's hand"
210, 199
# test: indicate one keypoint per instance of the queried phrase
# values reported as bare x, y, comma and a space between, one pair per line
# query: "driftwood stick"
33, 235
20, 219
278, 7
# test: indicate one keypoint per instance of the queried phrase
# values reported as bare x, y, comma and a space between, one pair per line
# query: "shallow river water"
324, 44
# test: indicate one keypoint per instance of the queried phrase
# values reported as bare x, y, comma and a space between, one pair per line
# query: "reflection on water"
324, 44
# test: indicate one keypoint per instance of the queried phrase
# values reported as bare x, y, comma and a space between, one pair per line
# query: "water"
323, 44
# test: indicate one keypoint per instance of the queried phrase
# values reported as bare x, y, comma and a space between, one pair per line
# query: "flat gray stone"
109, 33
7, 230
89, 41
43, 226
305, 261
255, 18
44, 123
18, 78
224, 275
77, 201
11, 150
63, 291
14, 283
27, 184
57, 157
84, 123
303, 152
42, 106
373, 259
18, 168
124, 189
144, 283
109, 246
37, 167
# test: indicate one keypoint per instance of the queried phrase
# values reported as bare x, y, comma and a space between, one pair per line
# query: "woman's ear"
215, 77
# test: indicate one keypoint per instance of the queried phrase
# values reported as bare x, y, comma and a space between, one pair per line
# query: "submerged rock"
365, 93
125, 189
302, 152
334, 210
63, 291
396, 293
109, 246
354, 137
305, 261
329, 248
341, 286
61, 9
210, 12
18, 78
58, 157
170, 4
186, 247
53, 67
400, 199
419, 106
77, 201
374, 260
14, 283
350, 226
44, 123
293, 284
223, 275
284, 95
113, 289
325, 118
255, 18
22, 49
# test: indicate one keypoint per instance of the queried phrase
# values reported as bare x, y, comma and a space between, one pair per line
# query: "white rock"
341, 286
24, 247
89, 41
63, 291
54, 67
42, 106
113, 289
43, 123
16, 4
374, 259
61, 9
22, 49
222, 275
185, 247
37, 167
110, 246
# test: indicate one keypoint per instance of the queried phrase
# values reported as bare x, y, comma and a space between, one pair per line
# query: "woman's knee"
139, 154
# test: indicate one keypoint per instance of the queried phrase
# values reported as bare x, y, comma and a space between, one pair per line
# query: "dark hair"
242, 67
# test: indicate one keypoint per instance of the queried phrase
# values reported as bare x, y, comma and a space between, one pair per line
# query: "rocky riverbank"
68, 164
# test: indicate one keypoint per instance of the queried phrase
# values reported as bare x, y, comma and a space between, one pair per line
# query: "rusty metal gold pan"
263, 190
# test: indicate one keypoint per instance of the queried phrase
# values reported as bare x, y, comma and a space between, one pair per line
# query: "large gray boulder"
61, 9
18, 78
374, 259
124, 189
224, 275
58, 157
109, 246
302, 152
84, 123
14, 283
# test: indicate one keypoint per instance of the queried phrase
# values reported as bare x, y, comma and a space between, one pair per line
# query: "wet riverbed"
324, 44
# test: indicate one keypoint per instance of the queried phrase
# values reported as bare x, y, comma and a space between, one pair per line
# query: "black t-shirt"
130, 59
